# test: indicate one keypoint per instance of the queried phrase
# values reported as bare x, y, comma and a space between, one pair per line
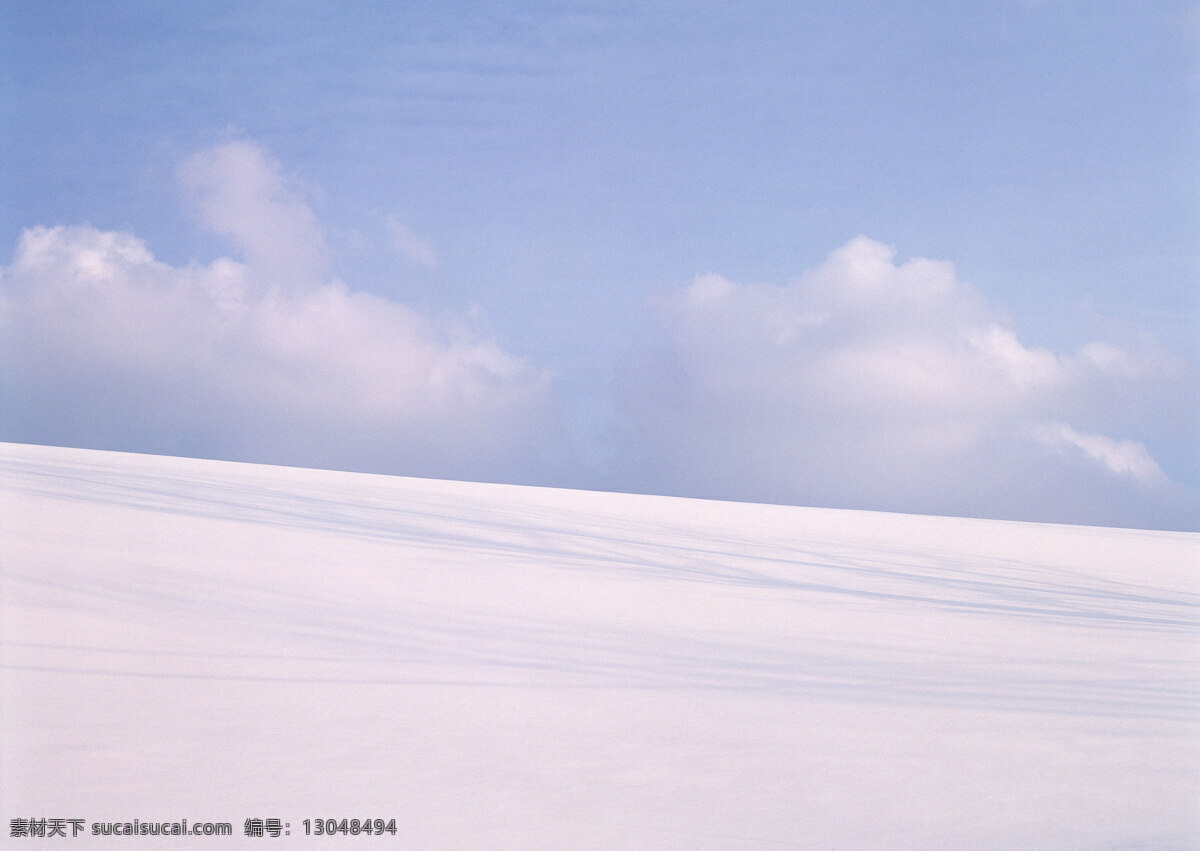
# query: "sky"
924, 257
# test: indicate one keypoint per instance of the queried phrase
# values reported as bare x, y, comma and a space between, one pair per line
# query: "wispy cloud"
411, 247
239, 191
1125, 458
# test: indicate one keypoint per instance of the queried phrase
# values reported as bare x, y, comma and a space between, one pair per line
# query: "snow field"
507, 667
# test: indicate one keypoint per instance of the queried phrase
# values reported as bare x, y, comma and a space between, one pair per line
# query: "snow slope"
507, 667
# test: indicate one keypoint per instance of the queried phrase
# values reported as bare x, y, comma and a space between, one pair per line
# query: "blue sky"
681, 248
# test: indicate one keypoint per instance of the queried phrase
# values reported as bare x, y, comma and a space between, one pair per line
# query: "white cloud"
411, 247
864, 383
1125, 458
267, 359
875, 384
240, 192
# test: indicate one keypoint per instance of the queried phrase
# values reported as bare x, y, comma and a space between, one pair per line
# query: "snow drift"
508, 667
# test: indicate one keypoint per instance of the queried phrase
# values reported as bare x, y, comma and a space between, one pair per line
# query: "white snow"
509, 667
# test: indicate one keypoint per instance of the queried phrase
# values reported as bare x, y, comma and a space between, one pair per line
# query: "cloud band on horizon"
864, 383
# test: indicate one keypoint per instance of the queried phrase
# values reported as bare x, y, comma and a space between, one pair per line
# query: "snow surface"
509, 667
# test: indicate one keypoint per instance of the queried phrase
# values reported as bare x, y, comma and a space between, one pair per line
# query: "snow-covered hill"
506, 667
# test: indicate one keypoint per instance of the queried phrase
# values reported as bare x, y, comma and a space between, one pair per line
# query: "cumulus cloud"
264, 357
869, 383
